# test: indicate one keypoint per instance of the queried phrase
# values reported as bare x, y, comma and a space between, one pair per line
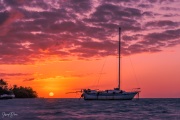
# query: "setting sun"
51, 94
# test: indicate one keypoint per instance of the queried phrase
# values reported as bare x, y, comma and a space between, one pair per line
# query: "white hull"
109, 96
7, 96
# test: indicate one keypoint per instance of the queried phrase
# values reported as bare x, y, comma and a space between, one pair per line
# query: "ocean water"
70, 109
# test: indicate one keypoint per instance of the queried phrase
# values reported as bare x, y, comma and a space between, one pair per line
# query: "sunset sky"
63, 46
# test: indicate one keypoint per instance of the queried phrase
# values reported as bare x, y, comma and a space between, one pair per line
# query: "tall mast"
119, 57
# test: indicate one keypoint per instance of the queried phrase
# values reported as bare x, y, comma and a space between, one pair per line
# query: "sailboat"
112, 94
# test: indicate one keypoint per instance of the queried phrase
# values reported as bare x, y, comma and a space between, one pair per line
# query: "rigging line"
100, 73
134, 72
95, 82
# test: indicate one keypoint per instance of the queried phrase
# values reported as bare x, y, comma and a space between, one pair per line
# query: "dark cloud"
3, 17
170, 8
111, 16
91, 48
130, 38
171, 15
167, 35
112, 13
145, 5
13, 74
152, 1
163, 23
79, 5
29, 79
36, 30
167, 1
148, 14
11, 2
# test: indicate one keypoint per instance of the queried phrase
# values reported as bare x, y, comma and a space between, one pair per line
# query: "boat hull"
117, 96
6, 96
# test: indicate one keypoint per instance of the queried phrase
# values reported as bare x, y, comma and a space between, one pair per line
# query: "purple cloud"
163, 23
34, 30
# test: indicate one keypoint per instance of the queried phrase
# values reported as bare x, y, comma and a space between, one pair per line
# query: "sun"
51, 94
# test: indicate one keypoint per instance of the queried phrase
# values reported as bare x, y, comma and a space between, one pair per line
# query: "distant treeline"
19, 92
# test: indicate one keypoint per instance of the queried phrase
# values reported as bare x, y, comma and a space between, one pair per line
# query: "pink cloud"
84, 29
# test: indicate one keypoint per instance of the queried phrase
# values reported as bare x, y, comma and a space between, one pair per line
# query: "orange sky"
62, 46
155, 73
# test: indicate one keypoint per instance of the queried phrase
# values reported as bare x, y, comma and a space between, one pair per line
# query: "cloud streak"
37, 30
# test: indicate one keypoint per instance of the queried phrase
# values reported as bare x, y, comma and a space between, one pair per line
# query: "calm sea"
67, 109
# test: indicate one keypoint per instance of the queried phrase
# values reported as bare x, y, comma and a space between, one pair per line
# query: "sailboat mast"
119, 57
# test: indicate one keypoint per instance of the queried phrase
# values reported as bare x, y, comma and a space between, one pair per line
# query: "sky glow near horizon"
60, 46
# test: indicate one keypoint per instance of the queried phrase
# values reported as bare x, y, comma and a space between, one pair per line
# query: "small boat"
113, 94
7, 96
